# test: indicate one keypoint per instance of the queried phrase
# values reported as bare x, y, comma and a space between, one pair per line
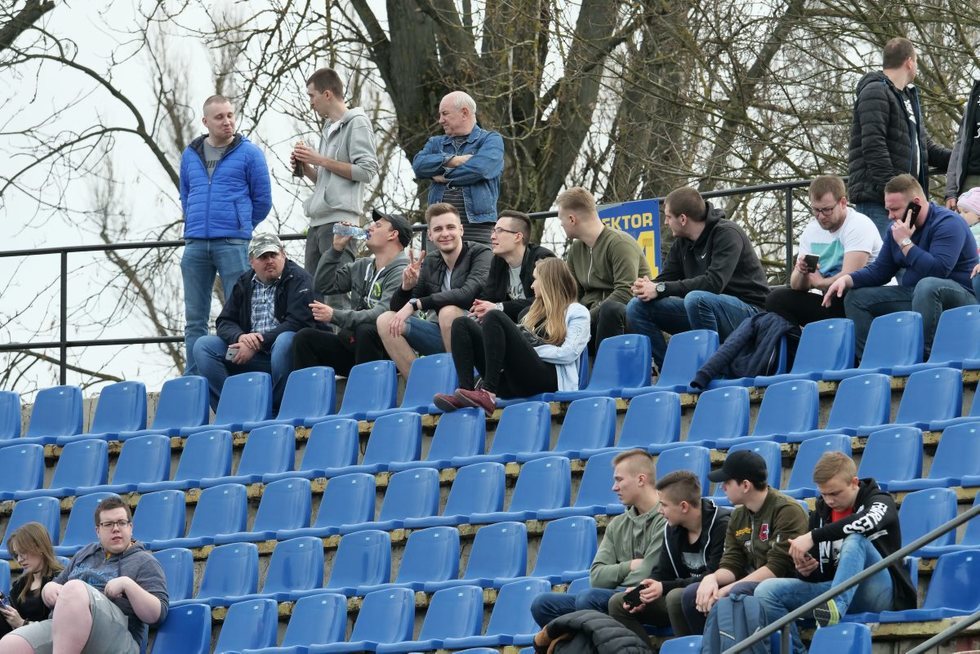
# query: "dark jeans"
317, 347
609, 320
802, 307
659, 613
548, 606
696, 619
505, 360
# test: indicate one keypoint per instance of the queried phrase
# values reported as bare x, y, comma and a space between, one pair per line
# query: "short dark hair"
824, 184
108, 504
896, 51
215, 99
522, 222
681, 486
327, 79
687, 201
440, 208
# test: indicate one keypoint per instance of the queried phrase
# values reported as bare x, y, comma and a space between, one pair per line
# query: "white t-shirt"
857, 234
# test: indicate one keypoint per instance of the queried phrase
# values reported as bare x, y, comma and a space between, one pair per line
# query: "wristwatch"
661, 287
415, 303
907, 241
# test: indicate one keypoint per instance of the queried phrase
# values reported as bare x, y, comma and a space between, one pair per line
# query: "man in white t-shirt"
842, 239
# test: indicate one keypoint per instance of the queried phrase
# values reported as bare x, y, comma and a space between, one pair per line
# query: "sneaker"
479, 398
447, 403
827, 615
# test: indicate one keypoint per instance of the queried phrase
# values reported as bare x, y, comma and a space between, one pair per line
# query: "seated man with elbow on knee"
101, 602
854, 525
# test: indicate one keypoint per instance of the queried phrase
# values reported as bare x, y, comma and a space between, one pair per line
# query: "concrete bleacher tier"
411, 531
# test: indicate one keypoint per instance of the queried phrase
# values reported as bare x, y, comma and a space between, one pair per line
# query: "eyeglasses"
498, 230
115, 523
817, 211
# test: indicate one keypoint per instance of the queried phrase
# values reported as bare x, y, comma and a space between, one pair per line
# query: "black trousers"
801, 307
507, 363
342, 351
609, 320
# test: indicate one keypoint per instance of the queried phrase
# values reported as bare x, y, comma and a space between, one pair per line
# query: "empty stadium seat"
461, 434
892, 454
245, 397
787, 407
542, 484
429, 375
477, 488
955, 463
686, 353
861, 405
825, 345
332, 443
894, 340
347, 500
768, 450
143, 459
652, 422
121, 408
510, 621
319, 619
363, 558
719, 414
523, 427
683, 645
930, 395
394, 437
159, 516
952, 591
4, 577
183, 402
269, 450
589, 424
956, 343
924, 510
310, 394
250, 624
620, 362
295, 569
693, 458
430, 555
595, 493
386, 616
972, 416
206, 455
21, 468
567, 548
970, 540
410, 494
220, 510
57, 412
800, 483
498, 556
371, 386
187, 629
82, 463
845, 638
231, 570
452, 613
10, 415
78, 530
285, 504
178, 570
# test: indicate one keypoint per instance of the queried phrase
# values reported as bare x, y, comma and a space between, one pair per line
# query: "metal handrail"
805, 610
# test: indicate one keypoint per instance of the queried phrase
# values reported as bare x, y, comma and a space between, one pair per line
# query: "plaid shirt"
263, 306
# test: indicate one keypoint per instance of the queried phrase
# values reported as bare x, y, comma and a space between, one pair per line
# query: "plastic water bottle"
356, 232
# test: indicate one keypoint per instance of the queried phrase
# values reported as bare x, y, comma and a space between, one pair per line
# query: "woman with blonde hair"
540, 354
30, 546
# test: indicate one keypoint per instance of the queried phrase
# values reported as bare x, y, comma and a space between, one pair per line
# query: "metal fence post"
63, 358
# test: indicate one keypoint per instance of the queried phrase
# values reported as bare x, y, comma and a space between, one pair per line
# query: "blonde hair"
638, 461
556, 291
834, 464
33, 538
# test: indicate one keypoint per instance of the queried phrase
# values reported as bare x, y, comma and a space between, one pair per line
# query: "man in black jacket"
888, 136
964, 162
268, 305
854, 525
694, 540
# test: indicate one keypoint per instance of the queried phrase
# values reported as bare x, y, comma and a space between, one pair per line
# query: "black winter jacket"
292, 308
959, 160
882, 139
592, 632
876, 518
671, 571
468, 277
751, 350
498, 281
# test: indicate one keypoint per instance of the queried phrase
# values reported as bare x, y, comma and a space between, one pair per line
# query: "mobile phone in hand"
914, 208
632, 598
811, 262
3, 600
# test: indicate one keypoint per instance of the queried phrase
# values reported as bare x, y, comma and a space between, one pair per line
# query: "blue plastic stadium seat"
121, 408
10, 415
721, 413
410, 494
452, 613
459, 434
310, 394
956, 344
319, 619
4, 577
510, 621
498, 556
686, 353
567, 548
931, 395
183, 403
787, 407
394, 437
845, 638
57, 412
285, 504
782, 361
684, 645
429, 375
430, 556
21, 468
595, 493
220, 510
363, 558
924, 510
621, 362
861, 405
894, 341
973, 416
178, 570
159, 517
78, 530
143, 459
953, 590
801, 482
246, 397
295, 570
955, 463
652, 422
371, 386
187, 630
825, 345
542, 484
231, 570
768, 450
269, 450
206, 455
249, 624
347, 500
332, 443
693, 458
589, 424
892, 454
523, 427
970, 541
477, 488
46, 510
82, 463
386, 616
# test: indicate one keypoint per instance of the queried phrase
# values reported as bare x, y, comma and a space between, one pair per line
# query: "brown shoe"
480, 397
447, 403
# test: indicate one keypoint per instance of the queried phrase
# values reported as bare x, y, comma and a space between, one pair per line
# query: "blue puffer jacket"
236, 198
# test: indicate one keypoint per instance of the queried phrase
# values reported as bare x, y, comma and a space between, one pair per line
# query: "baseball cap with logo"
262, 243
398, 222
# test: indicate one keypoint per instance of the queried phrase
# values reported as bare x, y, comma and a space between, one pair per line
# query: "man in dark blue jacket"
929, 248
224, 193
268, 305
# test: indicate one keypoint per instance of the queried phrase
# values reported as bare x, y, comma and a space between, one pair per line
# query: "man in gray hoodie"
103, 600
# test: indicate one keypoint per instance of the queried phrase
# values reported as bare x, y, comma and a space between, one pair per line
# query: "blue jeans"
976, 287
930, 297
877, 213
696, 310
780, 596
424, 336
548, 606
228, 257
209, 351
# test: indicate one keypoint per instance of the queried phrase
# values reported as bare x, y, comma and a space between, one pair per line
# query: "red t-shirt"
840, 515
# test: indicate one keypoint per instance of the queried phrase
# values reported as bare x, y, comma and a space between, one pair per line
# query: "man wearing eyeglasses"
841, 239
103, 600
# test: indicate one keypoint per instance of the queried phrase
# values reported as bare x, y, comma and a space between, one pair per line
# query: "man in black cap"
757, 540
370, 281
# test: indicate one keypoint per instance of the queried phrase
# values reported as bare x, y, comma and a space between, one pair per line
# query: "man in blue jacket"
931, 251
464, 166
224, 193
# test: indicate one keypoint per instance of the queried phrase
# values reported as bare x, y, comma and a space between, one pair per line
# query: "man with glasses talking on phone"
929, 249
103, 600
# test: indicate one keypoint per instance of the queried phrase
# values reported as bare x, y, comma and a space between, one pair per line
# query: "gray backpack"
732, 620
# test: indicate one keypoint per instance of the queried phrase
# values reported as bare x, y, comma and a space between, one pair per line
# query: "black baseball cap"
743, 464
398, 222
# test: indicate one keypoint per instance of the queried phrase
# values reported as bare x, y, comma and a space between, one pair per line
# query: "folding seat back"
895, 339
46, 510
682, 645
957, 336
787, 407
862, 400
411, 494
183, 403
363, 558
686, 353
892, 454
589, 423
651, 419
429, 375
310, 393
21, 467
430, 555
460, 433
693, 458
268, 449
595, 489
386, 616
245, 397
82, 463
319, 619
567, 548
249, 625
4, 577
953, 584
78, 530
801, 474
57, 412
621, 362
499, 550
394, 437
347, 499
220, 510
931, 394
285, 504
923, 511
206, 455
524, 427
231, 570
121, 407
720, 413
956, 461
10, 416
846, 638
296, 565
160, 516
543, 484
511, 613
187, 629
332, 444
371, 386
143, 459
825, 345
768, 450
455, 612
178, 570
971, 537
477, 488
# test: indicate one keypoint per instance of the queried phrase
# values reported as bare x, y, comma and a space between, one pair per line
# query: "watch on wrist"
661, 287
907, 241
414, 302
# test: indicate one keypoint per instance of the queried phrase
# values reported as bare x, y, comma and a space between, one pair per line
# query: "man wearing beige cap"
267, 306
